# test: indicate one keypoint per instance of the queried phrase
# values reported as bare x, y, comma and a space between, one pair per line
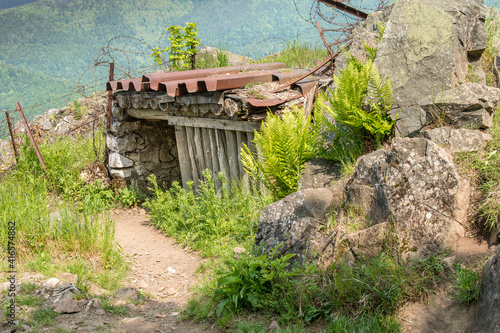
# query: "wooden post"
110, 95
16, 154
32, 139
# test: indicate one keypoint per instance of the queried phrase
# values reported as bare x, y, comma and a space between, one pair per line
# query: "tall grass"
46, 206
298, 54
211, 221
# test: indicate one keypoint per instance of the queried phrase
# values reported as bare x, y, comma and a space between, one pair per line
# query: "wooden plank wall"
215, 149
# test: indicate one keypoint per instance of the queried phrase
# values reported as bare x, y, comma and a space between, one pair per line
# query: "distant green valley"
46, 45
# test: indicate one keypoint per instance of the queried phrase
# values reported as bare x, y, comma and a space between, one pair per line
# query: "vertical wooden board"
250, 144
207, 154
183, 154
191, 150
240, 139
221, 152
199, 153
214, 154
232, 155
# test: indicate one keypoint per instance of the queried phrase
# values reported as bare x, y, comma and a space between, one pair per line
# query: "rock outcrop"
428, 48
458, 140
470, 104
488, 311
412, 191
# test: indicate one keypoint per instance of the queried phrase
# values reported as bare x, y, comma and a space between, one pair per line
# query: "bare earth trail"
163, 270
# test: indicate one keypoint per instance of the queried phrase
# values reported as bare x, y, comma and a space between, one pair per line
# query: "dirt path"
159, 267
163, 270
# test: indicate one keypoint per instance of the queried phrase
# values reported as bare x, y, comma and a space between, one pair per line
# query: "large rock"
470, 104
458, 140
319, 173
415, 185
292, 223
425, 49
488, 311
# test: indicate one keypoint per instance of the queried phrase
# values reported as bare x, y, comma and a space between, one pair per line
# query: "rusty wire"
336, 24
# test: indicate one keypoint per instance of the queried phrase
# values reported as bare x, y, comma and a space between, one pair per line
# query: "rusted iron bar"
330, 58
345, 8
32, 139
322, 35
110, 95
16, 154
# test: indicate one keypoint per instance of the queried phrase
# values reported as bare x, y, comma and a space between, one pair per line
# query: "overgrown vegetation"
212, 221
484, 169
57, 216
285, 143
360, 295
297, 54
355, 115
467, 285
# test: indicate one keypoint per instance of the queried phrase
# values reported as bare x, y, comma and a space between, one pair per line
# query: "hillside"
60, 39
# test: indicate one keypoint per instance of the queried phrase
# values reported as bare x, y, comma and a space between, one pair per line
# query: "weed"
297, 54
78, 110
209, 220
467, 286
28, 287
483, 169
53, 223
29, 300
43, 317
129, 197
489, 54
208, 60
247, 281
119, 310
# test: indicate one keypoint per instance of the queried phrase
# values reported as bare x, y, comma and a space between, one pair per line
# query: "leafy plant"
78, 110
250, 279
356, 112
284, 144
128, 197
467, 285
210, 220
182, 49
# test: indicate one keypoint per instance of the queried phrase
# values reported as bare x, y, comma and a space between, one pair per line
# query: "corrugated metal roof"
212, 79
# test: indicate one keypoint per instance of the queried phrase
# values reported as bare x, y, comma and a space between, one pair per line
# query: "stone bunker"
177, 124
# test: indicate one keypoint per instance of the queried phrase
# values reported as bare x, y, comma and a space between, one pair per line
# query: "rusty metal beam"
328, 59
16, 154
345, 8
110, 95
32, 139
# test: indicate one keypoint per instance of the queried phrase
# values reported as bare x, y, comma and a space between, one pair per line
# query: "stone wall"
139, 148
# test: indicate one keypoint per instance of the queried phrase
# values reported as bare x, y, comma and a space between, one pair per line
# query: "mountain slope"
62, 38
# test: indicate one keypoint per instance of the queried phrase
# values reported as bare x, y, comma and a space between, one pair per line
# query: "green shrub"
182, 49
129, 197
249, 280
284, 144
209, 220
341, 118
467, 286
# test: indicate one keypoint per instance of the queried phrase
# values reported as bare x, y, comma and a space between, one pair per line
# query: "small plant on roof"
182, 49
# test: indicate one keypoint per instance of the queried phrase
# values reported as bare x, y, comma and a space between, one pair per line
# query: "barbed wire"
338, 25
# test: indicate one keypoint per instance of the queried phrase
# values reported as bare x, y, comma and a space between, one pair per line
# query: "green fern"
284, 144
356, 85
